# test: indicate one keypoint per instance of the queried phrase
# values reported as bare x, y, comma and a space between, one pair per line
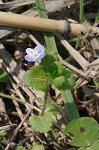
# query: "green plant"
83, 133
50, 73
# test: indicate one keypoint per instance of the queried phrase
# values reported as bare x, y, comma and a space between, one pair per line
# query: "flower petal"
29, 51
29, 58
40, 57
40, 48
35, 54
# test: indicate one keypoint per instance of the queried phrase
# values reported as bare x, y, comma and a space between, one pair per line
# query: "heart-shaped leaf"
83, 131
36, 78
50, 107
37, 147
41, 124
20, 148
95, 146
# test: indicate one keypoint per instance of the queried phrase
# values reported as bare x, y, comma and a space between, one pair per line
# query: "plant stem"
70, 105
45, 99
19, 100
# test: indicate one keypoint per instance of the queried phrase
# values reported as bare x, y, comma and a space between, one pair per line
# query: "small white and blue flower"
36, 54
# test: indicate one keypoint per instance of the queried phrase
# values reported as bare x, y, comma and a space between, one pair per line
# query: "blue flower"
35, 54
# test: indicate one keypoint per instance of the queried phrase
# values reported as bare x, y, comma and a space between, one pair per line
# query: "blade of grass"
49, 38
97, 16
70, 105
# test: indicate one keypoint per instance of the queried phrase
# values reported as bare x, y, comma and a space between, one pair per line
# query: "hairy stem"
45, 99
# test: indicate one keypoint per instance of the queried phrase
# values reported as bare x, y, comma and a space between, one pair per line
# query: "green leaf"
83, 131
36, 78
97, 15
52, 71
50, 107
60, 77
65, 79
47, 64
59, 83
95, 146
81, 148
59, 69
71, 81
3, 76
20, 148
30, 148
2, 135
52, 67
41, 124
38, 147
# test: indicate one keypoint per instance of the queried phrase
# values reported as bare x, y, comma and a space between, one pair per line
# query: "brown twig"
78, 58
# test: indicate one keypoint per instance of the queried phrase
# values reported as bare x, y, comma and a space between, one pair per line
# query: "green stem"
19, 100
45, 99
70, 105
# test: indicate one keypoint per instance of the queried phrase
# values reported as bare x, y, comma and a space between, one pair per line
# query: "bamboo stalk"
41, 24
35, 23
76, 29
